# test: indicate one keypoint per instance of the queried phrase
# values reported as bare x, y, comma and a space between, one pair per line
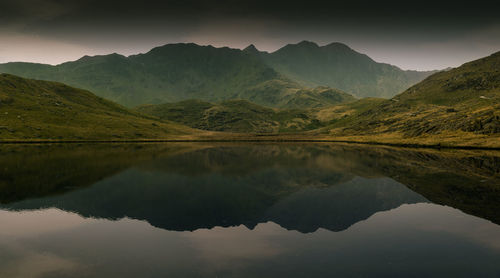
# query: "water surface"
241, 210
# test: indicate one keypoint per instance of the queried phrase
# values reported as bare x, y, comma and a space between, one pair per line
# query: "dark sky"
409, 34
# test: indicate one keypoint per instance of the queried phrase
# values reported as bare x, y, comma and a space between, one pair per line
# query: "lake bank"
486, 143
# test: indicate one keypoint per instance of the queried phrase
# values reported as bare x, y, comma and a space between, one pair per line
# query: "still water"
242, 210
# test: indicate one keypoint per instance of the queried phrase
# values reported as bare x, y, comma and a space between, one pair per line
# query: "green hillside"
451, 107
338, 66
176, 72
31, 109
233, 116
283, 94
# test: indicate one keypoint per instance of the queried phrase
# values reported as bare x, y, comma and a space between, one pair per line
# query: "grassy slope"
283, 94
240, 115
456, 107
31, 109
233, 116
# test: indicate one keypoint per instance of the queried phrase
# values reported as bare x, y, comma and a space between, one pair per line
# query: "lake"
248, 210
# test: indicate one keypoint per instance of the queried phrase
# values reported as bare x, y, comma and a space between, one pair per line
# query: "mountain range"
176, 72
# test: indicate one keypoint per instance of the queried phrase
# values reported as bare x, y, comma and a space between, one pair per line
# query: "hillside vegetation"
282, 94
451, 107
32, 109
233, 116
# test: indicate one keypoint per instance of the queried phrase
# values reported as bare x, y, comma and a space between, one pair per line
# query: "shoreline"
249, 140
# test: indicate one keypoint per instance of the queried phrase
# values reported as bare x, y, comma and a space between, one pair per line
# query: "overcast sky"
419, 35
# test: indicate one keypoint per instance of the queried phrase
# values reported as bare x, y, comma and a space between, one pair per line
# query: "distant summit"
251, 49
338, 66
305, 43
338, 46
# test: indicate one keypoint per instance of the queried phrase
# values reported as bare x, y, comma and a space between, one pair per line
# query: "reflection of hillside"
466, 180
338, 207
237, 159
299, 186
28, 171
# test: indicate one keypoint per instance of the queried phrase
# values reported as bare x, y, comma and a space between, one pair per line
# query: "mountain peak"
305, 43
337, 45
171, 46
251, 48
113, 56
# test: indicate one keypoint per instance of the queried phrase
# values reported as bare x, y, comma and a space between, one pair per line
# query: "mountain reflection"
300, 187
